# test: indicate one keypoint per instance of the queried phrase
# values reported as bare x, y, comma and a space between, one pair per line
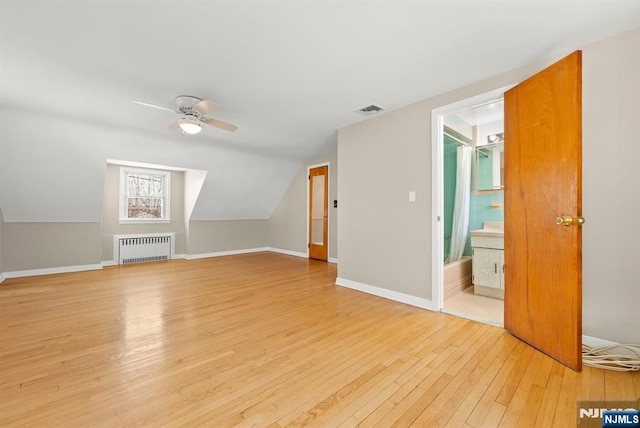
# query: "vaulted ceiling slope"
288, 73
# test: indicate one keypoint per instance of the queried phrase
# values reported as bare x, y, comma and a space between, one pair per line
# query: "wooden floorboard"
264, 340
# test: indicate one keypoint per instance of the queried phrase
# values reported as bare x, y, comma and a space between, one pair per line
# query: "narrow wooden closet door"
318, 212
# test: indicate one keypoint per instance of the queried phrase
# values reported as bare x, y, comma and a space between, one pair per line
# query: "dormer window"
144, 196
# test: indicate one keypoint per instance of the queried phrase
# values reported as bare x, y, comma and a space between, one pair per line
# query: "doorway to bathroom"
469, 175
543, 245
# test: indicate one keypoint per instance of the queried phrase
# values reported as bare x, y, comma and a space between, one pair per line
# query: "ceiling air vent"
371, 109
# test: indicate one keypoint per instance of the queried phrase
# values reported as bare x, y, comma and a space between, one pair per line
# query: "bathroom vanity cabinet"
488, 265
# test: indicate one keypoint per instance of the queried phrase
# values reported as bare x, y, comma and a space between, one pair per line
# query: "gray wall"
383, 239
383, 158
288, 223
38, 245
611, 152
1, 244
212, 236
110, 213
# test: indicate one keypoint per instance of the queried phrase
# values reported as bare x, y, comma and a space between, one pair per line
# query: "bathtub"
456, 276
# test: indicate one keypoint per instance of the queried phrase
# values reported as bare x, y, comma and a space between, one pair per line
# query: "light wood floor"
481, 307
267, 340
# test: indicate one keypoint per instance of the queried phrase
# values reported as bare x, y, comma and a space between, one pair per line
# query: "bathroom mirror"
489, 163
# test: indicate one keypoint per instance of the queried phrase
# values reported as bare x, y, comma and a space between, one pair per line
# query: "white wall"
54, 172
382, 159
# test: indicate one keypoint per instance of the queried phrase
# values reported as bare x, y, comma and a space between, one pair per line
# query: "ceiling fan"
193, 110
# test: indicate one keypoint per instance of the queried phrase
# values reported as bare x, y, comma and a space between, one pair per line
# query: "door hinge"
308, 245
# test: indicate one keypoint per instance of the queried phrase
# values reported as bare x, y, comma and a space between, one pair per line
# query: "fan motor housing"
185, 104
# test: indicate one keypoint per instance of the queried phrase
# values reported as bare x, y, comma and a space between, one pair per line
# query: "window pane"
145, 185
144, 207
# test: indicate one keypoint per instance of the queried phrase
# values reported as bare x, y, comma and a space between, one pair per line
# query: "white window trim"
123, 196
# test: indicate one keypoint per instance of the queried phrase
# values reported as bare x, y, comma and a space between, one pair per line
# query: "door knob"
567, 220
564, 219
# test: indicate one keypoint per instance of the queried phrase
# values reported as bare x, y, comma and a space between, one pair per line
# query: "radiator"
143, 248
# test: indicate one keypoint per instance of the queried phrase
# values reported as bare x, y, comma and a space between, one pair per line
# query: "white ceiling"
287, 73
485, 113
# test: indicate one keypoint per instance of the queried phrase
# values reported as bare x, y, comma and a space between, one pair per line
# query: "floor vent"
143, 248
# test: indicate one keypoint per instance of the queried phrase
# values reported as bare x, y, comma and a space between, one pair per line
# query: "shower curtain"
460, 226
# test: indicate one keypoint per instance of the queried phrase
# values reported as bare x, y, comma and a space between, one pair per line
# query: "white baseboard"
50, 271
288, 252
231, 253
387, 294
299, 254
1, 277
595, 342
80, 268
225, 253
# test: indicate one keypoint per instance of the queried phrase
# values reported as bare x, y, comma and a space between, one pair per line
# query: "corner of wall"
1, 246
288, 222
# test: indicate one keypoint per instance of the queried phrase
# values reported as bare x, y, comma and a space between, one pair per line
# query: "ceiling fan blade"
174, 125
218, 123
205, 106
154, 106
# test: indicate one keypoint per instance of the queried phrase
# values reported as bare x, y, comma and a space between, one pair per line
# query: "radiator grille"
142, 249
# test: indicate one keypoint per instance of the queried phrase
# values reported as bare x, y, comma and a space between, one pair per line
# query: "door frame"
437, 187
309, 168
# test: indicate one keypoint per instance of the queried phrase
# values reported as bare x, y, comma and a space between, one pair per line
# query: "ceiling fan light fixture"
190, 126
192, 111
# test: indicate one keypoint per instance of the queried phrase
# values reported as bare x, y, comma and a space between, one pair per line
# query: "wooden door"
543, 180
318, 212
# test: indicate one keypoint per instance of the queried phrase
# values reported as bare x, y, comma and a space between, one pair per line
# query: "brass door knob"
567, 220
564, 219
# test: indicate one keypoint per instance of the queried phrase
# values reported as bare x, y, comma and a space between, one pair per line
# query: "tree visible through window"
144, 195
